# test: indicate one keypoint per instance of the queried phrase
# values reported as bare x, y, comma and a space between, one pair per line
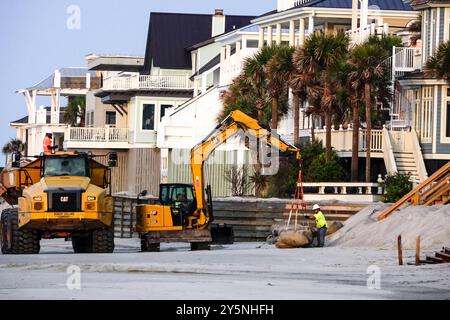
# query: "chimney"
218, 23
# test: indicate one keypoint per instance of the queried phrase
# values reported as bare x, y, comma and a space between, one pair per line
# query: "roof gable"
170, 34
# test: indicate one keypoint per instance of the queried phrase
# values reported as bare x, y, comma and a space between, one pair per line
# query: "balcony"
341, 140
96, 138
146, 82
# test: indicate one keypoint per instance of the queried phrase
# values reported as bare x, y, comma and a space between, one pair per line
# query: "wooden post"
418, 251
400, 250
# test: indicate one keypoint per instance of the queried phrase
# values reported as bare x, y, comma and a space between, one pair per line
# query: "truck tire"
17, 240
98, 241
82, 244
103, 241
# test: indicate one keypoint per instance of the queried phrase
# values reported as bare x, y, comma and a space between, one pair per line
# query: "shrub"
316, 168
396, 186
239, 180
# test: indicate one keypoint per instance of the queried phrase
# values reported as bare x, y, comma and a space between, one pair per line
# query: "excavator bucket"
222, 234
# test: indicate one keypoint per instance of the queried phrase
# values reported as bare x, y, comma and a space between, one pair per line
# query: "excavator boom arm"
237, 120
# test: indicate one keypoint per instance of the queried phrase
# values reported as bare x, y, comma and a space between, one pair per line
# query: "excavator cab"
180, 198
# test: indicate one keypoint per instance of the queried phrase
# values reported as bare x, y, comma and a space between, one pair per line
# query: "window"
92, 118
427, 115
164, 107
65, 166
416, 123
447, 121
110, 118
148, 117
252, 43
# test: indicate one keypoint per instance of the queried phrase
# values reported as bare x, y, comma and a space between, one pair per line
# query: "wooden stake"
418, 251
400, 250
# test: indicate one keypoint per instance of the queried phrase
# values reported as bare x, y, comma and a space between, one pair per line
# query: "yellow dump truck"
57, 195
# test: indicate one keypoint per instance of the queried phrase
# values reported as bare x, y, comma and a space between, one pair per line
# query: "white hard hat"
316, 207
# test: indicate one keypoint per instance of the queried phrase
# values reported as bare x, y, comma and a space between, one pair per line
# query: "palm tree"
300, 82
75, 111
365, 60
278, 69
13, 145
319, 57
254, 74
439, 64
365, 66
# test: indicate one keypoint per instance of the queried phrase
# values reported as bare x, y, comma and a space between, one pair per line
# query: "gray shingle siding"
441, 25
443, 148
427, 148
428, 34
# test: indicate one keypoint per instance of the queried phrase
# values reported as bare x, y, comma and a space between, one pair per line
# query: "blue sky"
35, 40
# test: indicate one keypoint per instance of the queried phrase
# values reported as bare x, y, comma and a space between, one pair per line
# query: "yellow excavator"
57, 195
184, 213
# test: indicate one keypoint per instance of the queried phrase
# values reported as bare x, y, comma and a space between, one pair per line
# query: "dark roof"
347, 4
267, 13
22, 120
170, 34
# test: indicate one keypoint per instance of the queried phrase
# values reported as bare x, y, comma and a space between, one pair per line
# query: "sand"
431, 223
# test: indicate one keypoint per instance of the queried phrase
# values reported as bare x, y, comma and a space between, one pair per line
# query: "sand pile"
431, 223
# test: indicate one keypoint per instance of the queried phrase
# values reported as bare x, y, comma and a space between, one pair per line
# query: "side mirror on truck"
112, 159
16, 160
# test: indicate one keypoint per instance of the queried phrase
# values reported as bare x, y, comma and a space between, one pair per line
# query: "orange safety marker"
298, 202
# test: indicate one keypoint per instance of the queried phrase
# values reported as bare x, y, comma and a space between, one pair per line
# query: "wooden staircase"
439, 257
433, 191
406, 165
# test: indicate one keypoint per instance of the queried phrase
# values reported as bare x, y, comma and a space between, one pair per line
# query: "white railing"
106, 134
376, 137
342, 187
388, 153
418, 157
341, 139
359, 35
147, 82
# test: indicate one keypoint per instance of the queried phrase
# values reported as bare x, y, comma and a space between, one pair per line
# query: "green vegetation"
396, 186
334, 82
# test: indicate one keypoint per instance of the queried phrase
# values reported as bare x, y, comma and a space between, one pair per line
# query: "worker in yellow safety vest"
321, 225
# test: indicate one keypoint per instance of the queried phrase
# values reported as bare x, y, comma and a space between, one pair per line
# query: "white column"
261, 37
238, 51
222, 66
269, 36
195, 87
311, 25
204, 84
278, 36
364, 13
355, 14
88, 80
292, 33
302, 32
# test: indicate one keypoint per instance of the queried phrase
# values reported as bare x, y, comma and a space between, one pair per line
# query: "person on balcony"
321, 228
48, 142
